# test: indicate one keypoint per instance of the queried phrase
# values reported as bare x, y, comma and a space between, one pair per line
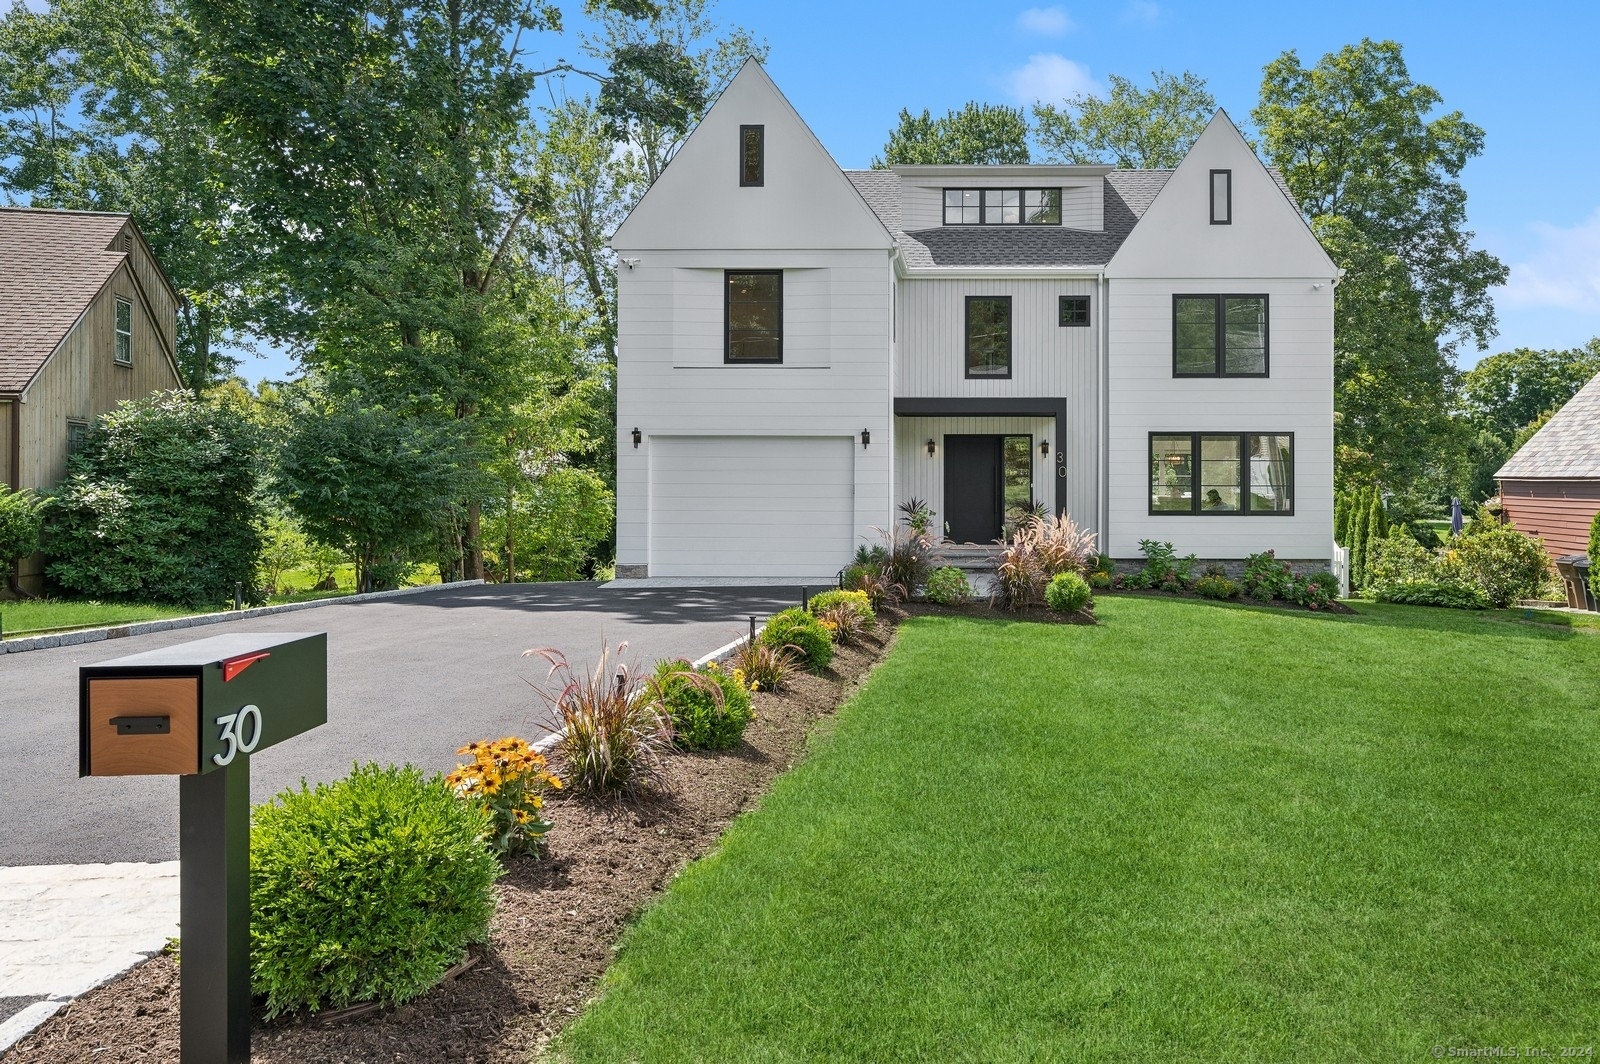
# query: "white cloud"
1051, 78
1044, 21
1563, 271
1143, 12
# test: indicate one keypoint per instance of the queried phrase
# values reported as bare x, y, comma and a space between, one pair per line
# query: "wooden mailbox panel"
172, 753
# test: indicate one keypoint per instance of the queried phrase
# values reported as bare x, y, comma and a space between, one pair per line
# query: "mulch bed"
554, 929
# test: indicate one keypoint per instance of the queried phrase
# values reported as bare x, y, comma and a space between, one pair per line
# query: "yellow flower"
554, 782
755, 685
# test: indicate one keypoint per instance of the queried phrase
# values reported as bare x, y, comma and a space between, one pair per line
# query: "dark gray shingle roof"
1568, 447
1128, 194
52, 265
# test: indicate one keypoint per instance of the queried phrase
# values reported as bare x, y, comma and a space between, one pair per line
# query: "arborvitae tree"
1594, 556
1357, 544
1341, 519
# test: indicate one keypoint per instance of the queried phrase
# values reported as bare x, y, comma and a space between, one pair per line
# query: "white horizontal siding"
672, 382
1082, 204
1297, 397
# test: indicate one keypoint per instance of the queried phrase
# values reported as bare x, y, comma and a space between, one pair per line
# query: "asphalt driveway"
410, 679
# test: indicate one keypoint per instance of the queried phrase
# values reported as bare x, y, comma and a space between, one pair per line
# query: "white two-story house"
801, 349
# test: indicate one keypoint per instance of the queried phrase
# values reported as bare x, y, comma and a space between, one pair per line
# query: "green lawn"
1195, 832
19, 618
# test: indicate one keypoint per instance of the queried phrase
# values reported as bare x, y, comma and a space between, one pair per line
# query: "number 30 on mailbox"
198, 707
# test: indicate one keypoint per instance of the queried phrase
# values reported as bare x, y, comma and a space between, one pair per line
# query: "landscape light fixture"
866, 437
636, 438
930, 446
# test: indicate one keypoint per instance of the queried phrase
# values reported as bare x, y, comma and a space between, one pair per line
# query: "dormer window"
752, 156
1002, 206
1222, 197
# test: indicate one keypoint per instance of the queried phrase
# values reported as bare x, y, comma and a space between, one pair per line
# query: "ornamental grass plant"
613, 732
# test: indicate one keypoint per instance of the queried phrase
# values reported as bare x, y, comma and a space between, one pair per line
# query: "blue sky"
1524, 74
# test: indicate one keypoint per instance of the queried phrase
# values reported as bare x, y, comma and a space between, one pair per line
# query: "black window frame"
1220, 367
1077, 302
1211, 195
117, 303
761, 156
983, 206
727, 320
1195, 445
966, 338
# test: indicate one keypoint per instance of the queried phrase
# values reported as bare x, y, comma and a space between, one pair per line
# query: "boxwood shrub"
794, 627
701, 720
366, 889
1067, 593
859, 601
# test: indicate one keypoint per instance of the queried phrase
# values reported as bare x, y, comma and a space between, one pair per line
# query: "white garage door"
764, 506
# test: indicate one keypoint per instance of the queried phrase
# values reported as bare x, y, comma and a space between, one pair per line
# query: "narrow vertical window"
1222, 197
77, 432
123, 351
988, 336
754, 316
752, 155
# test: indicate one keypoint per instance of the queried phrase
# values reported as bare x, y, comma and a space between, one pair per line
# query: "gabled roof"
1127, 194
1568, 447
52, 265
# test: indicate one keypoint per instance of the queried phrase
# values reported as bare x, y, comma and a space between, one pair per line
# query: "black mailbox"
197, 707
199, 711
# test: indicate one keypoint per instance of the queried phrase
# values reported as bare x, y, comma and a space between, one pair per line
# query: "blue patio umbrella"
1455, 517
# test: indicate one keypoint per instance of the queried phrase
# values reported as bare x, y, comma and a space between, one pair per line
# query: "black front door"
973, 488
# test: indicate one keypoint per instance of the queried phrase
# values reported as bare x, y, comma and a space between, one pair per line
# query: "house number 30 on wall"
234, 728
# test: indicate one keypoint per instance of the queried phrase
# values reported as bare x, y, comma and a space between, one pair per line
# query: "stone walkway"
65, 929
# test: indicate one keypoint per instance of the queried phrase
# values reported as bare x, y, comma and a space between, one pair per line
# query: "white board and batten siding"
1048, 361
752, 470
1267, 249
919, 475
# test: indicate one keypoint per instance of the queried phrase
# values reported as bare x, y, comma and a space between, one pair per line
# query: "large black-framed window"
1222, 197
1246, 474
1220, 335
752, 316
1002, 206
988, 332
1073, 310
752, 156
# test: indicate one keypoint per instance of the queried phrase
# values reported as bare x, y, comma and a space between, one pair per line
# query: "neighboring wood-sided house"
801, 349
87, 319
1551, 487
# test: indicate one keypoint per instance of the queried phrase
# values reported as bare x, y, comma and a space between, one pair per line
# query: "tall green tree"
101, 108
1130, 127
1506, 391
978, 133
1377, 173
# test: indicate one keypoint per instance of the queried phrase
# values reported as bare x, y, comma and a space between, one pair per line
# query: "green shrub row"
1489, 563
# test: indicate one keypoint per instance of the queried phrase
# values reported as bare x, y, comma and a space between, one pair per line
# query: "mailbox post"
199, 711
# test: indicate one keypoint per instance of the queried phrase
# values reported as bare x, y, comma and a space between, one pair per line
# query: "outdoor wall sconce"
866, 437
1044, 448
636, 437
930, 447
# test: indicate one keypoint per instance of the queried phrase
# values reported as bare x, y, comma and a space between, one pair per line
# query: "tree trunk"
511, 537
472, 557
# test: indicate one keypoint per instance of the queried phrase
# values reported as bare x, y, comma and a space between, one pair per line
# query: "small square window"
1074, 310
752, 156
122, 352
1222, 197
